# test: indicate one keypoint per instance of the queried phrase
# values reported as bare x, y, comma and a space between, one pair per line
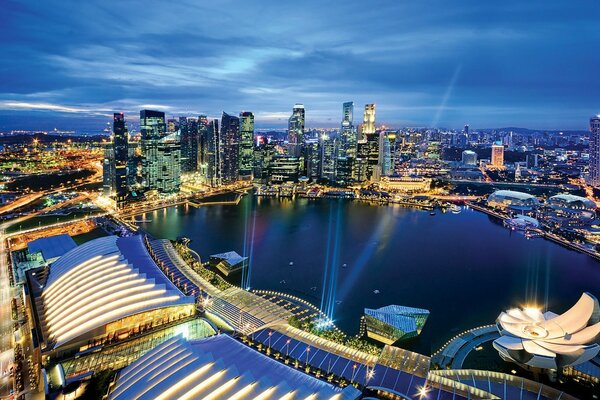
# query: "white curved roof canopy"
218, 367
538, 339
103, 281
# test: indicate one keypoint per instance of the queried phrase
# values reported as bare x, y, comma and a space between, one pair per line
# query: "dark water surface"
465, 268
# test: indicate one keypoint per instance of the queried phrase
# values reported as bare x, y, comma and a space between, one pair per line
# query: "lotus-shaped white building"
547, 340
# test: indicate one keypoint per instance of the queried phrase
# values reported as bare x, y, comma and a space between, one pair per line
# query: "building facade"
296, 130
594, 150
152, 128
497, 160
188, 128
230, 148
246, 144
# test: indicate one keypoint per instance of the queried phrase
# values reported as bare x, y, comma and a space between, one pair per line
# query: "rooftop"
102, 281
218, 367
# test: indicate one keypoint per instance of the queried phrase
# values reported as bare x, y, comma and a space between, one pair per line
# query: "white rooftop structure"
548, 340
103, 281
218, 367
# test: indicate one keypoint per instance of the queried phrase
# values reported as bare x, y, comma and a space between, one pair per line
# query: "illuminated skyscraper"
229, 148
210, 169
387, 153
348, 134
595, 151
115, 162
188, 128
121, 150
246, 144
313, 159
169, 164
152, 128
371, 150
497, 156
328, 147
296, 130
369, 119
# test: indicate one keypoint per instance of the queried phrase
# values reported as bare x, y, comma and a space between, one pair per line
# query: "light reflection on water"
463, 267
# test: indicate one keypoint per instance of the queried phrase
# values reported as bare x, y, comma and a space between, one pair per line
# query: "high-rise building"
343, 170
203, 148
369, 119
169, 164
313, 159
246, 144
121, 156
387, 153
230, 148
595, 151
469, 157
115, 162
263, 155
296, 130
497, 160
210, 151
188, 130
371, 150
134, 166
348, 134
328, 147
152, 129
108, 169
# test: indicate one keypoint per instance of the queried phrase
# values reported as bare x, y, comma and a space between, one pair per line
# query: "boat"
432, 213
344, 265
314, 288
376, 291
455, 209
291, 263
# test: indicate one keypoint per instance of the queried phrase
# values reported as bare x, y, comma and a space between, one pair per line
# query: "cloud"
266, 55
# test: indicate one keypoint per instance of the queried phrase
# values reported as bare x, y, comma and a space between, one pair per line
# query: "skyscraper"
595, 151
121, 150
296, 130
210, 151
387, 153
169, 164
371, 149
497, 156
188, 128
369, 119
246, 144
230, 148
152, 129
348, 134
313, 159
328, 146
115, 162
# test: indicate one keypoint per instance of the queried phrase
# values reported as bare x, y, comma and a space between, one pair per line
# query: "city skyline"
432, 64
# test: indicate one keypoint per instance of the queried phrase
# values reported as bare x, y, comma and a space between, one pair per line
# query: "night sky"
491, 64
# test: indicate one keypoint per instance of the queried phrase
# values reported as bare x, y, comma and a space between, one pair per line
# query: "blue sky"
424, 63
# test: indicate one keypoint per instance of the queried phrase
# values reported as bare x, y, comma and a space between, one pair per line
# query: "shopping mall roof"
52, 246
102, 281
218, 367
